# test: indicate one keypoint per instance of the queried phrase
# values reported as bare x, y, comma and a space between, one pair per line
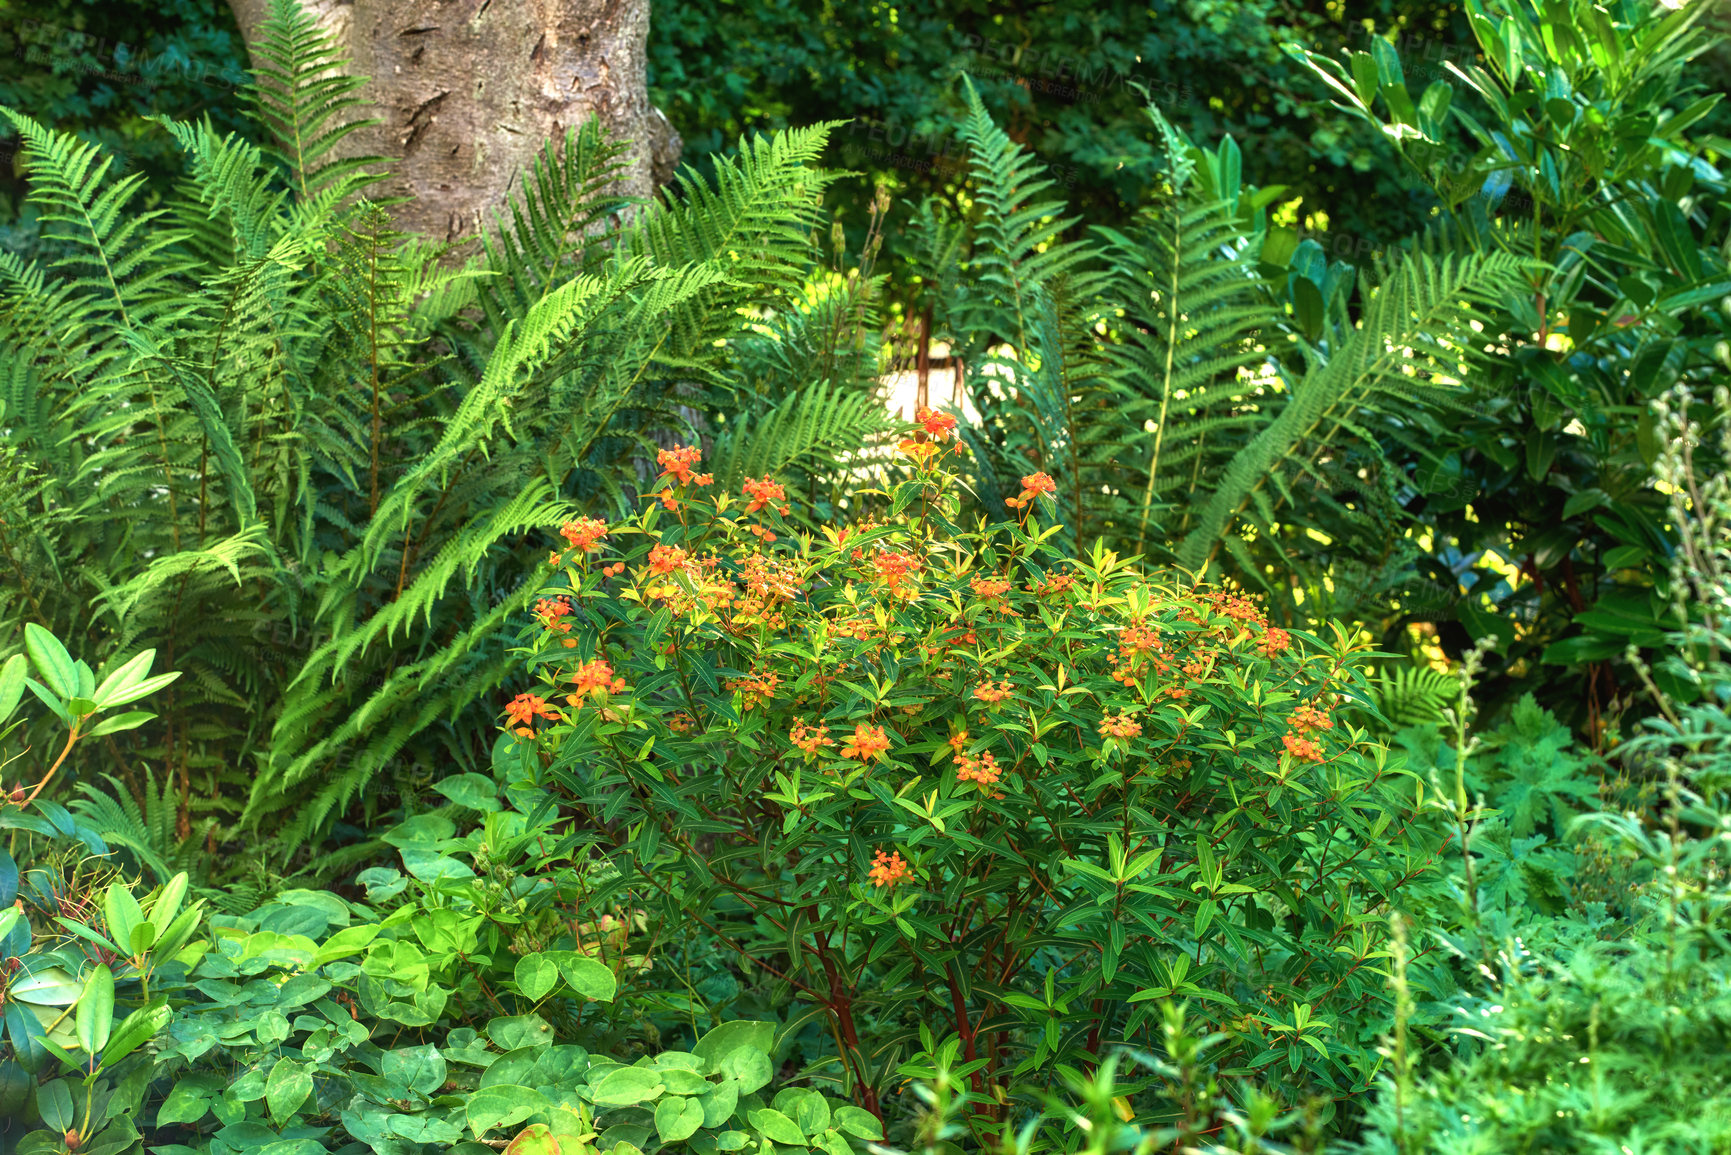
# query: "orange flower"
1123, 726
1305, 719
681, 723
1033, 486
867, 744
939, 425
665, 559
1274, 641
984, 769
921, 451
959, 742
810, 738
990, 589
583, 533
757, 687
678, 463
552, 611
898, 572
525, 708
764, 492
987, 692
594, 677
889, 869
1301, 748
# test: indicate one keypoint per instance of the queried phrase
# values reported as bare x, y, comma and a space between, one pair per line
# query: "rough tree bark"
467, 91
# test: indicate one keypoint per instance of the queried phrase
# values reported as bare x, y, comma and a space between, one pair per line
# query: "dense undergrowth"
543, 703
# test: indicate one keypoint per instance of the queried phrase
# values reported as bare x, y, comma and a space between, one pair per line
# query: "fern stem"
1165, 382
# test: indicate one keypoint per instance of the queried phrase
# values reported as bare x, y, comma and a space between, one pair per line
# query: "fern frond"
305, 98
1423, 313
817, 430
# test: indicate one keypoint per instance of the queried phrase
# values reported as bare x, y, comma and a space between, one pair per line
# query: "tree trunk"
468, 91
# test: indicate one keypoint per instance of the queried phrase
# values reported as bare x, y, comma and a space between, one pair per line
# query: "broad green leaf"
53, 664
187, 1101
54, 1103
123, 913
137, 1029
720, 1103
677, 1118
730, 1037
129, 674
142, 690
499, 1106
166, 904
774, 1125
49, 986
859, 1122
286, 1089
592, 979
513, 1031
627, 1086
12, 676
95, 1014
131, 720
425, 1129
536, 977
474, 791
418, 1068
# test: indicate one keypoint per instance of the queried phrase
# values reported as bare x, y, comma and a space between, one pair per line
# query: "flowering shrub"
926, 774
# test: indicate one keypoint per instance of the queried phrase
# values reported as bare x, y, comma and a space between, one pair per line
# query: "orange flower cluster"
939, 425
1301, 748
758, 687
613, 570
1274, 641
1058, 583
1033, 486
867, 744
591, 678
984, 769
810, 738
899, 572
769, 584
934, 426
990, 589
681, 723
525, 708
921, 451
664, 559
1139, 649
680, 462
764, 492
552, 612
1237, 607
583, 533
889, 869
986, 691
1308, 719
1123, 726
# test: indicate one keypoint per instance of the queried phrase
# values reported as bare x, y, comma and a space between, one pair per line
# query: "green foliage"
262, 432
1586, 153
316, 1022
1162, 361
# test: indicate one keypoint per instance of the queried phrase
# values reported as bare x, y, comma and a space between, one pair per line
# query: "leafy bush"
936, 779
